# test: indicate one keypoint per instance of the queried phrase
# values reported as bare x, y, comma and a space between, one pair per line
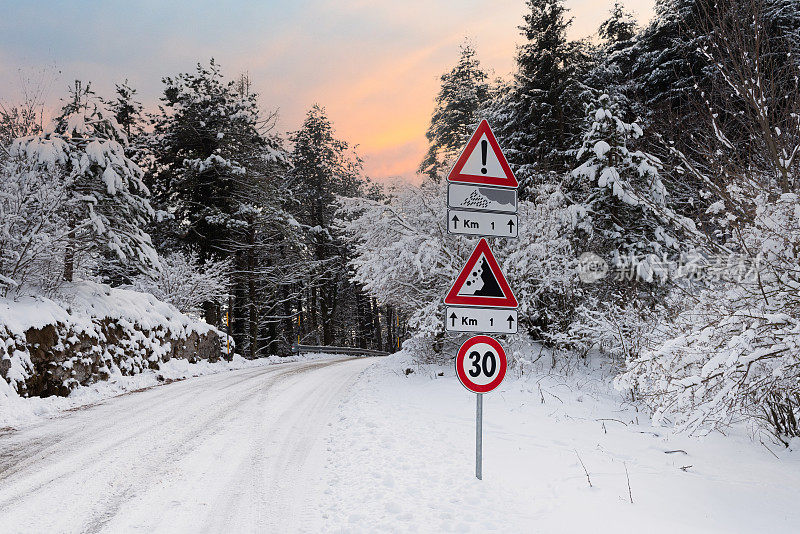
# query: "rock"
63, 359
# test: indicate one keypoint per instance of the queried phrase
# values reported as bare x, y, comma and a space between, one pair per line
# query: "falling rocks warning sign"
481, 282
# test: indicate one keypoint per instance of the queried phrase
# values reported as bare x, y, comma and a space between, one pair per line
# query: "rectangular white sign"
482, 223
482, 197
485, 320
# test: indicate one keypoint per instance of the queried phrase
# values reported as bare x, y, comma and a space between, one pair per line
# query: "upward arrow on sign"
482, 161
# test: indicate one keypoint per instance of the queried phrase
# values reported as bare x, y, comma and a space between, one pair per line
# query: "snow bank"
17, 412
91, 332
562, 453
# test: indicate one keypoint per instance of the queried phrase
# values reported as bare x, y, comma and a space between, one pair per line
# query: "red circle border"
462, 353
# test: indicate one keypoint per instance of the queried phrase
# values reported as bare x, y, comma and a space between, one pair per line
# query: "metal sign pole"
479, 437
481, 201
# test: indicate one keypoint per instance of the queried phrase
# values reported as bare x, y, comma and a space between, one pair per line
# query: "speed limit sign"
481, 364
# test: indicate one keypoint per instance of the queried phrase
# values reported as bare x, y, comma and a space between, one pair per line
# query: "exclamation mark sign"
484, 148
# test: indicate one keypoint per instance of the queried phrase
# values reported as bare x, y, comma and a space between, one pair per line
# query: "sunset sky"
374, 64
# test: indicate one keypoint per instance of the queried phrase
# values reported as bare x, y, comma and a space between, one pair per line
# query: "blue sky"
373, 64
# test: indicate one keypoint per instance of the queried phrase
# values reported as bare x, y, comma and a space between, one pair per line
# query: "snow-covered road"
231, 452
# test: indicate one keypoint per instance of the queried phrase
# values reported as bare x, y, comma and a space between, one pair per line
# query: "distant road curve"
230, 452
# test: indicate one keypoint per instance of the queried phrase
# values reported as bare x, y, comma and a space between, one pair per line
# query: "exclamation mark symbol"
484, 148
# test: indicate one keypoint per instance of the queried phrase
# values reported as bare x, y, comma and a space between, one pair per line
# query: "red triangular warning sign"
482, 161
481, 283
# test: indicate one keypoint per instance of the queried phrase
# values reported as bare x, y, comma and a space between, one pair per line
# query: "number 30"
488, 365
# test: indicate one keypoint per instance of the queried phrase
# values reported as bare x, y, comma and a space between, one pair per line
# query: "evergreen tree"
462, 94
127, 110
617, 34
620, 27
324, 168
220, 174
664, 64
539, 120
623, 220
619, 187
675, 86
203, 130
107, 208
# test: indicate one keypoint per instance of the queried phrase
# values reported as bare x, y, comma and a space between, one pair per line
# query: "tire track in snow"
90, 470
19, 450
68, 444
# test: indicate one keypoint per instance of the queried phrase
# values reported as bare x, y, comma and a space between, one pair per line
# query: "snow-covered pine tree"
619, 189
220, 173
616, 33
201, 134
667, 68
107, 207
624, 218
619, 27
128, 113
324, 168
663, 64
672, 85
464, 91
656, 70
127, 110
539, 120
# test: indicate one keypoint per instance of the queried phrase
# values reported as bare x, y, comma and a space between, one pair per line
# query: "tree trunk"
69, 254
253, 322
312, 314
302, 322
376, 324
325, 314
211, 312
289, 322
389, 329
239, 313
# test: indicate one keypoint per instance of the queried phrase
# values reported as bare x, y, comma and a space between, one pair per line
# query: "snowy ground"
228, 452
354, 445
401, 458
16, 412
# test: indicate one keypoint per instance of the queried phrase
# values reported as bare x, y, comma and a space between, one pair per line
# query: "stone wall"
47, 348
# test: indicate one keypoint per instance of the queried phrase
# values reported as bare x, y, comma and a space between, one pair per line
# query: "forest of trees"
201, 203
671, 152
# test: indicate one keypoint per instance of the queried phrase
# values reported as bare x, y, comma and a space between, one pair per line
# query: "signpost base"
479, 437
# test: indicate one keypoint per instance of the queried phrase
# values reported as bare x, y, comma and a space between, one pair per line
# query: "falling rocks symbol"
482, 282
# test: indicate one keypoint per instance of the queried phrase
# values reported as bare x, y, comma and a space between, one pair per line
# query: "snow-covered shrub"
405, 257
734, 353
32, 228
186, 283
542, 266
621, 331
105, 206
